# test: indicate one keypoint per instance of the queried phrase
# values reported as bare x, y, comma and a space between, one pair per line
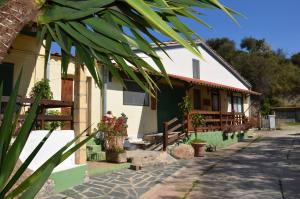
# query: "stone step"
144, 158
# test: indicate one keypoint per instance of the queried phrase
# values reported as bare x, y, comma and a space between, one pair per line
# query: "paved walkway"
126, 184
257, 168
267, 169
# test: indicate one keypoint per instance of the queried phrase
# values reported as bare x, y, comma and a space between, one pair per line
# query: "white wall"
55, 142
210, 69
141, 119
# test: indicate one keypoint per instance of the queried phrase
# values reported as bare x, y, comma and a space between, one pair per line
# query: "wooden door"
66, 95
167, 104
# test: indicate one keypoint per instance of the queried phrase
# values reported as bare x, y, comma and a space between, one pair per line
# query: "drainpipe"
47, 68
104, 90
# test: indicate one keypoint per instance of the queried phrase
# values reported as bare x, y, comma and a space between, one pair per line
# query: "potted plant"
185, 106
198, 144
115, 132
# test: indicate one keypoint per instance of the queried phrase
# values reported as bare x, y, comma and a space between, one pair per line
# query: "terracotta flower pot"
199, 149
115, 142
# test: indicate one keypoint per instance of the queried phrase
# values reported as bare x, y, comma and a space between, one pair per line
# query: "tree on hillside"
269, 71
255, 45
224, 47
296, 59
106, 30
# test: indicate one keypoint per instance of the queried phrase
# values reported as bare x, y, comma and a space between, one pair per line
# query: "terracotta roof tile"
212, 84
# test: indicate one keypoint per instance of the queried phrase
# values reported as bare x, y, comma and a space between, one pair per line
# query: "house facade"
211, 83
27, 55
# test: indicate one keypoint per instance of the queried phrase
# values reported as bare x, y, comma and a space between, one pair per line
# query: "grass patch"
293, 123
195, 183
113, 168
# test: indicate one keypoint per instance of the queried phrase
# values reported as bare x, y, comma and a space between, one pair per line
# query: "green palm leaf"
114, 29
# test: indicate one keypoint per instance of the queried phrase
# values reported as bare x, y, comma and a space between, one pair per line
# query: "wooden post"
233, 118
186, 127
72, 114
188, 122
43, 112
165, 136
80, 111
221, 120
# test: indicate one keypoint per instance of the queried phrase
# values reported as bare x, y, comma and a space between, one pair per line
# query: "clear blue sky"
277, 21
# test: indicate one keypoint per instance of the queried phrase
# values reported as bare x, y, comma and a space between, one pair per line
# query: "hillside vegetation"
269, 71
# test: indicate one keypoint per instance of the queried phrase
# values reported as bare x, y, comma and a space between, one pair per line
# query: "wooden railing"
44, 105
173, 131
215, 120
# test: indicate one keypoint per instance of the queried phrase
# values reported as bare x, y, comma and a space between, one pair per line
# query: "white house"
212, 84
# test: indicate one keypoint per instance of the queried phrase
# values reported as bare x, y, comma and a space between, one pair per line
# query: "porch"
220, 104
223, 107
175, 130
215, 120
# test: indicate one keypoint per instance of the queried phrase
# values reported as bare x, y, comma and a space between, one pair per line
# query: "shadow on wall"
141, 119
30, 67
148, 122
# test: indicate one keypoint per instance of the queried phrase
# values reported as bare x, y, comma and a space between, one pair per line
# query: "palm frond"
111, 31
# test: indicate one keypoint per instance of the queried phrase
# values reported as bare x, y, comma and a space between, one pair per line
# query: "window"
215, 101
6, 77
110, 77
133, 94
237, 104
229, 104
197, 99
196, 69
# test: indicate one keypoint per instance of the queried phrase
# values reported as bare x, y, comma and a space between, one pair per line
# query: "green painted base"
218, 138
112, 168
96, 156
94, 151
68, 178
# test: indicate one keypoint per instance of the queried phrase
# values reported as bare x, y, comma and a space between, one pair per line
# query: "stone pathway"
266, 169
269, 169
126, 184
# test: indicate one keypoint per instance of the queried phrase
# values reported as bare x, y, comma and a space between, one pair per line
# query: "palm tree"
109, 31
106, 30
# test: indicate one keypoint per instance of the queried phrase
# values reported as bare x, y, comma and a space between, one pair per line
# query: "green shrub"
54, 124
185, 106
43, 88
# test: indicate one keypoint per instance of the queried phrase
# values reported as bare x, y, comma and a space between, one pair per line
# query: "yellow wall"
141, 119
246, 105
27, 54
55, 84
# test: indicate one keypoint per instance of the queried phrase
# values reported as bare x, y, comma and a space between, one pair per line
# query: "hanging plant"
43, 88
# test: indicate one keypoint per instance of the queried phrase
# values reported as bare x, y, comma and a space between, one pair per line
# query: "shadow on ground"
267, 169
